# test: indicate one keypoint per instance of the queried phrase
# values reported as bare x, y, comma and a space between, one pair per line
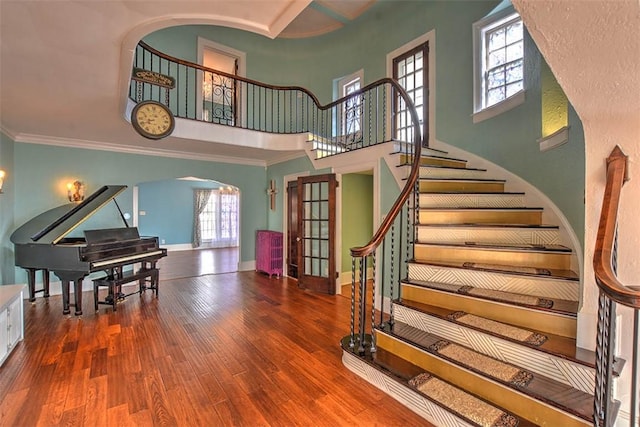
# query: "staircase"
484, 330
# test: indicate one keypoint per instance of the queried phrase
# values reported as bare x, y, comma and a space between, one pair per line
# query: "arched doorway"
166, 209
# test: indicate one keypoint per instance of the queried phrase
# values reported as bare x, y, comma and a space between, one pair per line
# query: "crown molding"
129, 149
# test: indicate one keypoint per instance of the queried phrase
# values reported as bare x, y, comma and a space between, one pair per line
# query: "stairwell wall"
509, 140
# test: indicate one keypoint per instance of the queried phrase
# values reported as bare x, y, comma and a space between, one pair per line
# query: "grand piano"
54, 241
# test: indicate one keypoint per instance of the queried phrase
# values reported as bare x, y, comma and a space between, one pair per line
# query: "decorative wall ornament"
272, 191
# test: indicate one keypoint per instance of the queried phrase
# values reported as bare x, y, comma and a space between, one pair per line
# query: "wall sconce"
75, 191
2, 174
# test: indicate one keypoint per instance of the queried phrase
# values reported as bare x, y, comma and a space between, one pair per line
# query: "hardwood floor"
198, 262
234, 349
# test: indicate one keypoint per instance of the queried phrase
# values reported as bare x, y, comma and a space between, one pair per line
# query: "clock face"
152, 120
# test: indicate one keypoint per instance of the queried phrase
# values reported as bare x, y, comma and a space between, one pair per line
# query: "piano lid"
53, 225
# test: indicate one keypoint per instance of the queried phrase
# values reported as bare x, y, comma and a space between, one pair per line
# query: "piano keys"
54, 241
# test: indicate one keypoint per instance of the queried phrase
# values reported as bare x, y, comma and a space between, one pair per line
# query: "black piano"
54, 241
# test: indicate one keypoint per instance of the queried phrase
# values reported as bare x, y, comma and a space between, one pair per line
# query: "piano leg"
45, 283
31, 281
65, 297
77, 294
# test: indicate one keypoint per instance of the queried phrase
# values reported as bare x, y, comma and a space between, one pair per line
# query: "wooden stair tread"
558, 306
502, 246
484, 193
481, 180
479, 225
541, 388
553, 273
555, 344
451, 168
475, 209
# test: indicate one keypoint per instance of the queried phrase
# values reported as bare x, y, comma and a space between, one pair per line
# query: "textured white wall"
593, 48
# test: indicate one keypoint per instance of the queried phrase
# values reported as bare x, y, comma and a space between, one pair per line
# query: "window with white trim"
499, 59
350, 120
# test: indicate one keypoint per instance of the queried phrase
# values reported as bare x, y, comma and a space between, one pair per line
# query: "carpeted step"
547, 354
525, 311
489, 234
513, 216
447, 185
461, 402
443, 172
546, 283
514, 388
392, 374
541, 257
471, 200
434, 159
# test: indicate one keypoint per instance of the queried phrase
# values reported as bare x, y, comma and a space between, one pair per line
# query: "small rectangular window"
504, 62
498, 63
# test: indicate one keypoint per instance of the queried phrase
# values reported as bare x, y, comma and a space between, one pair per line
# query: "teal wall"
7, 275
41, 174
174, 226
357, 209
509, 140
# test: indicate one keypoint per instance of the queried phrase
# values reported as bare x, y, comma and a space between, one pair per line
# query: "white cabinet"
11, 319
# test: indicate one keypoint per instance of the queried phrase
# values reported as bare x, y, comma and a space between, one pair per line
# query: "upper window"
499, 59
411, 70
350, 120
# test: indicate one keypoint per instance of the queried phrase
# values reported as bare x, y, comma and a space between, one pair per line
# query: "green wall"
509, 140
7, 275
357, 209
41, 172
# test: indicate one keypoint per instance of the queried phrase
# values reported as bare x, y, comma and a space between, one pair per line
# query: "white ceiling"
65, 65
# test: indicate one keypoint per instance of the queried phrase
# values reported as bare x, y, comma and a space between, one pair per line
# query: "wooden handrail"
605, 276
377, 238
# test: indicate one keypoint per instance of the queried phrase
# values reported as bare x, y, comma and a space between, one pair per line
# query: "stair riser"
516, 283
492, 391
471, 201
435, 161
565, 371
460, 187
545, 322
435, 254
446, 216
511, 236
445, 173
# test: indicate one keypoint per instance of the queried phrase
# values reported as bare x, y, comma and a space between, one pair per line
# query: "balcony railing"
362, 119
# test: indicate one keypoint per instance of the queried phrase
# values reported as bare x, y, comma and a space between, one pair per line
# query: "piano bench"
147, 278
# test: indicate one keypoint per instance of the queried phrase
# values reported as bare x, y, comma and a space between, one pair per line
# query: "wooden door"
316, 233
292, 229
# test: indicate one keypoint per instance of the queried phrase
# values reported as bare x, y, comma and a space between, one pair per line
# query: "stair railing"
361, 119
392, 242
612, 292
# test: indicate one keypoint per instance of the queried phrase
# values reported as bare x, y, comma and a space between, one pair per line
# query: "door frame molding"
368, 165
285, 205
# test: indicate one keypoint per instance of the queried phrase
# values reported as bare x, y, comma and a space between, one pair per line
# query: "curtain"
200, 200
216, 218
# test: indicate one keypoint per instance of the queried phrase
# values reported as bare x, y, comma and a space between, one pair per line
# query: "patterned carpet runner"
502, 329
507, 268
493, 294
506, 296
485, 364
463, 403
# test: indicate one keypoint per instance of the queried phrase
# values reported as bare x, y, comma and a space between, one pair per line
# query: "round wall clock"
152, 120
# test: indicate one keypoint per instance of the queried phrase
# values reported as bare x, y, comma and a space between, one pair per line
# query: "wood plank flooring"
234, 349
